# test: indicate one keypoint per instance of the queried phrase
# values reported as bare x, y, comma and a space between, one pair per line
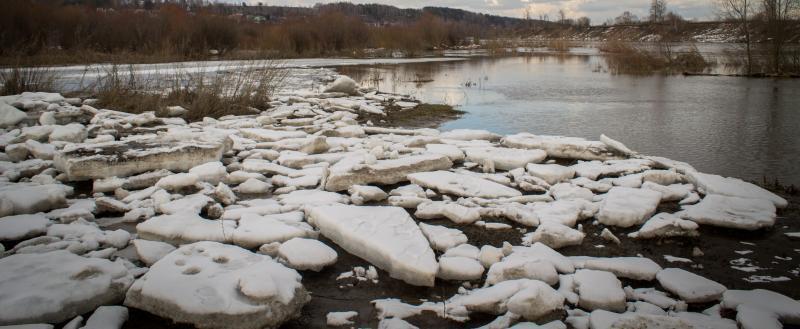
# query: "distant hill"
375, 13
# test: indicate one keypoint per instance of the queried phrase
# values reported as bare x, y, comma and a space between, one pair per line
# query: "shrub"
17, 80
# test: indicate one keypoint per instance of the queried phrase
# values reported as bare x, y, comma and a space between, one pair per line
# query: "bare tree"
658, 8
777, 14
583, 22
739, 11
626, 18
562, 16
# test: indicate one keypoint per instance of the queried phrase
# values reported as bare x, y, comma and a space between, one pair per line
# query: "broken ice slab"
125, 158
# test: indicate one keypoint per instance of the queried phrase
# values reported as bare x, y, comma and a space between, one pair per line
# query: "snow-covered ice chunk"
714, 184
562, 147
178, 181
361, 194
253, 186
470, 135
616, 145
689, 286
306, 254
750, 317
551, 173
665, 225
389, 171
674, 192
23, 198
21, 227
636, 268
504, 158
463, 250
176, 153
10, 116
625, 207
185, 228
267, 135
442, 238
554, 235
567, 191
540, 251
192, 204
210, 172
732, 212
535, 301
462, 185
337, 319
601, 319
786, 308
452, 152
73, 132
239, 289
459, 269
343, 84
149, 252
62, 284
522, 268
455, 212
495, 299
254, 230
312, 197
107, 317
387, 237
599, 290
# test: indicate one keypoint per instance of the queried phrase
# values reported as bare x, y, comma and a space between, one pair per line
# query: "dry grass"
232, 90
624, 58
559, 45
16, 80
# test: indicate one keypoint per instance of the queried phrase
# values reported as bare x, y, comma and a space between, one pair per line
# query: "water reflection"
731, 126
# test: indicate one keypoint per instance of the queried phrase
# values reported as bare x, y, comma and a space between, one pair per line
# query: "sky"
597, 10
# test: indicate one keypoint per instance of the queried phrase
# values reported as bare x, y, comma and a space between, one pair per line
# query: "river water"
747, 128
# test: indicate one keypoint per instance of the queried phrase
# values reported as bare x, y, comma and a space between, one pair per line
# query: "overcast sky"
597, 10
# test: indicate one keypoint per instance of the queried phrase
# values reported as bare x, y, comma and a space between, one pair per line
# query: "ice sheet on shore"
387, 237
239, 289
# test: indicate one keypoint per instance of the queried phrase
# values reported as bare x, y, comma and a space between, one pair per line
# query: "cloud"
597, 10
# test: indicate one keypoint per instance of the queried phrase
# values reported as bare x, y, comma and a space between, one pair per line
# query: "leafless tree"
626, 18
658, 8
562, 16
777, 14
739, 11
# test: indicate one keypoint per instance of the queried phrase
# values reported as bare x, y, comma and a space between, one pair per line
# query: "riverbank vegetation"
233, 90
626, 58
45, 32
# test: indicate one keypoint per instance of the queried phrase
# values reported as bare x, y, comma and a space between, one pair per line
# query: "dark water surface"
748, 128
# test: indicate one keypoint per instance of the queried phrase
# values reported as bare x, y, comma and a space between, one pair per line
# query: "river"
742, 127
